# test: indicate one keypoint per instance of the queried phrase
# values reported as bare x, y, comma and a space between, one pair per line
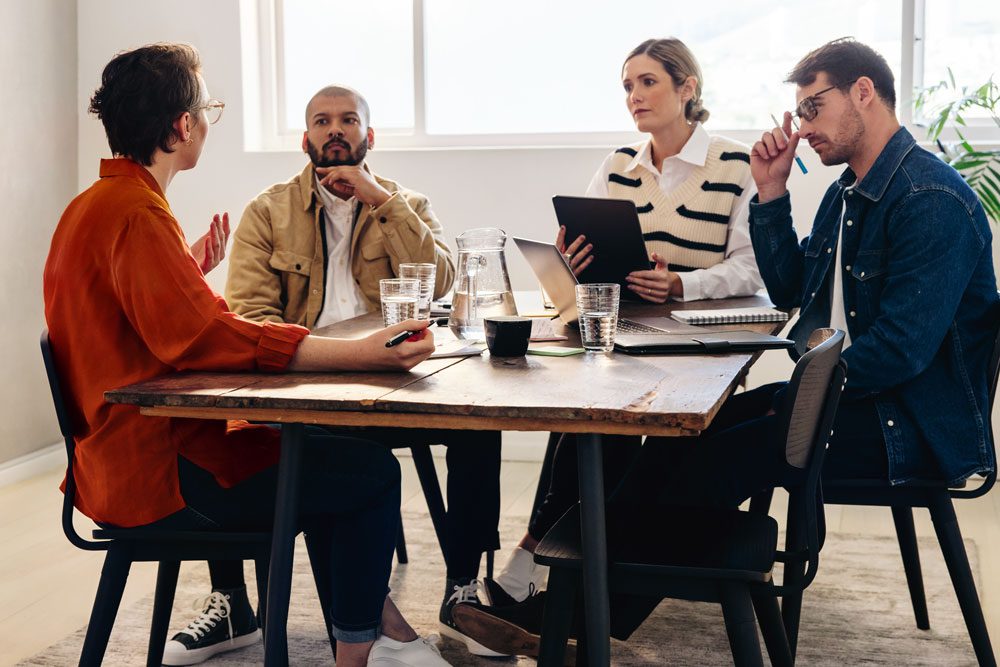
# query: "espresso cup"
507, 336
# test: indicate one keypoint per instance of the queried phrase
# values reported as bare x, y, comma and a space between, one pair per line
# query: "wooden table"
589, 394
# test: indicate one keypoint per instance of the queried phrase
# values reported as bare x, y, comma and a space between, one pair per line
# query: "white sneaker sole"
474, 647
195, 656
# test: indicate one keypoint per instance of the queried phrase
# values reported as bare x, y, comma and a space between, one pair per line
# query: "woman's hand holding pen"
577, 254
771, 160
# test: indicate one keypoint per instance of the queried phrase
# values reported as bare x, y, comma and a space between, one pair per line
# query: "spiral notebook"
729, 316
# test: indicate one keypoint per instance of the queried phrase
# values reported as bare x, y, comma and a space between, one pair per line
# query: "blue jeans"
349, 495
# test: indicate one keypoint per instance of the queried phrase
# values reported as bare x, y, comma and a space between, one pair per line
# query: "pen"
399, 338
798, 160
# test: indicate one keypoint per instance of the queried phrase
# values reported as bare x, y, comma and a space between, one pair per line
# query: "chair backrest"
992, 377
66, 428
810, 406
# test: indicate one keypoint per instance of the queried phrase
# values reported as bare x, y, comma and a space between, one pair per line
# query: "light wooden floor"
47, 586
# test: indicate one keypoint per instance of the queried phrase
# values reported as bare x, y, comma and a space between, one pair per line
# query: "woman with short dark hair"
126, 300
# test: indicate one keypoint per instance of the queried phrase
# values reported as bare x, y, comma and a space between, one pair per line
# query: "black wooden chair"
714, 555
937, 498
125, 546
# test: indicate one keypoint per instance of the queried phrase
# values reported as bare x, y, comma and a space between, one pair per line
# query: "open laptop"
560, 283
640, 335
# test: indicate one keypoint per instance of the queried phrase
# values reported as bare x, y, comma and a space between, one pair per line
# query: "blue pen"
798, 160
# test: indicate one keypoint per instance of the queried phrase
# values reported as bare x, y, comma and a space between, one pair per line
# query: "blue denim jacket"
920, 297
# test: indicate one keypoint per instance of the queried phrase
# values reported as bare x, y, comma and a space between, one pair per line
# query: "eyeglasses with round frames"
807, 109
213, 110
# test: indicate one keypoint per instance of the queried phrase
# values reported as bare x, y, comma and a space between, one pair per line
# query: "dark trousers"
348, 506
563, 490
473, 496
741, 454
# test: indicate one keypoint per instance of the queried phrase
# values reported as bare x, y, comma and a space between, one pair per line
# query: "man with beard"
311, 251
900, 258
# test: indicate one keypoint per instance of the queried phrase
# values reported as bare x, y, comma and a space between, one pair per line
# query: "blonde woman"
692, 191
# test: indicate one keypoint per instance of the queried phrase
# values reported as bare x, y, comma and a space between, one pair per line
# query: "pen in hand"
798, 160
400, 337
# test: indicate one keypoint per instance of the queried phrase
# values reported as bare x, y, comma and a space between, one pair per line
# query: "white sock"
521, 576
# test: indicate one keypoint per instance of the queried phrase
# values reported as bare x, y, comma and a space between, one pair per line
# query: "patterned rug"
857, 612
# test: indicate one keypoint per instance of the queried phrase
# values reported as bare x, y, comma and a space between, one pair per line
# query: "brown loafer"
501, 635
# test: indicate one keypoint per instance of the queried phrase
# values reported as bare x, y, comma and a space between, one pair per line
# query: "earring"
189, 141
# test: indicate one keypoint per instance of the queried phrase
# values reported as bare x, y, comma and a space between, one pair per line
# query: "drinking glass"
425, 273
399, 299
597, 305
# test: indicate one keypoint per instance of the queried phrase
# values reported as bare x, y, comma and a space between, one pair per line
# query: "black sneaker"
510, 630
227, 622
463, 593
497, 596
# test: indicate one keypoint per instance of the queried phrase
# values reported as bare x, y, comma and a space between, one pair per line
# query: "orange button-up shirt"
125, 301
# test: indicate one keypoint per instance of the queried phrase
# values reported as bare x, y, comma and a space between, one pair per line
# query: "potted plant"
945, 103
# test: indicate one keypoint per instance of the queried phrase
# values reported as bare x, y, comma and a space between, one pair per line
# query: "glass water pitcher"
482, 286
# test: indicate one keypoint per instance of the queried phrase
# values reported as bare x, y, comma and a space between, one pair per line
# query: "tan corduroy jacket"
277, 263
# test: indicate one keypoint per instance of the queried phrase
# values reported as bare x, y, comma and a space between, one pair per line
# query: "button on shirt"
737, 273
342, 299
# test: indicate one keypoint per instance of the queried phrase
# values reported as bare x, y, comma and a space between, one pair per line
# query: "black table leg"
593, 530
279, 587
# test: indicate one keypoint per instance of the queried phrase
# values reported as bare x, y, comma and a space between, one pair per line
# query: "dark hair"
679, 63
141, 95
845, 60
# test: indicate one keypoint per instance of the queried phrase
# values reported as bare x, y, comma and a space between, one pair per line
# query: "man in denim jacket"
899, 257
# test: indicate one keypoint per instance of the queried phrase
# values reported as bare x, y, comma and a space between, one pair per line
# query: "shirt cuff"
774, 211
278, 345
693, 290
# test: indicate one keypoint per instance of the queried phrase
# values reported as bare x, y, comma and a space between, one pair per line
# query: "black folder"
711, 342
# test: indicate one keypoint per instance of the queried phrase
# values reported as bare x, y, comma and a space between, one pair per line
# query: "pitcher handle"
472, 271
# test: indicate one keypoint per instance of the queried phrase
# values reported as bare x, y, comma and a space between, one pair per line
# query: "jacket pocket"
816, 245
290, 262
374, 251
869, 264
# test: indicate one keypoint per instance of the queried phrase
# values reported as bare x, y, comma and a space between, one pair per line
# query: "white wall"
507, 188
38, 135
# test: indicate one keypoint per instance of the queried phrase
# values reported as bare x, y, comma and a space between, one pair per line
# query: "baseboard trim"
40, 461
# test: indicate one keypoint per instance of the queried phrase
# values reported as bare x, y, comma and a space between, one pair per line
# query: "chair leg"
426, 472
319, 560
794, 575
109, 596
163, 600
906, 534
401, 556
489, 563
769, 617
261, 565
950, 538
737, 609
560, 602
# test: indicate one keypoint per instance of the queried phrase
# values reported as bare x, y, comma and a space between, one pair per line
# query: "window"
964, 36
525, 72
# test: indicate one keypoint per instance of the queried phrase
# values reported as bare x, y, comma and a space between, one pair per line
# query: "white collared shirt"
838, 313
737, 274
342, 298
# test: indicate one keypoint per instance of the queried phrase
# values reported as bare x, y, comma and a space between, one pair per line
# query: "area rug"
857, 612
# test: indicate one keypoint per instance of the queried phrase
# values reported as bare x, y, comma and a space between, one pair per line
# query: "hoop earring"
189, 141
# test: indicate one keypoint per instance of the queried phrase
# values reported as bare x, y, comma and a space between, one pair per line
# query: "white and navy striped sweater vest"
689, 227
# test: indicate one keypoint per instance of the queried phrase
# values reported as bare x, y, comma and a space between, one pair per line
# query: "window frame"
266, 119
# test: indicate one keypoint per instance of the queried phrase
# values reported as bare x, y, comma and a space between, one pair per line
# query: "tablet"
612, 225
